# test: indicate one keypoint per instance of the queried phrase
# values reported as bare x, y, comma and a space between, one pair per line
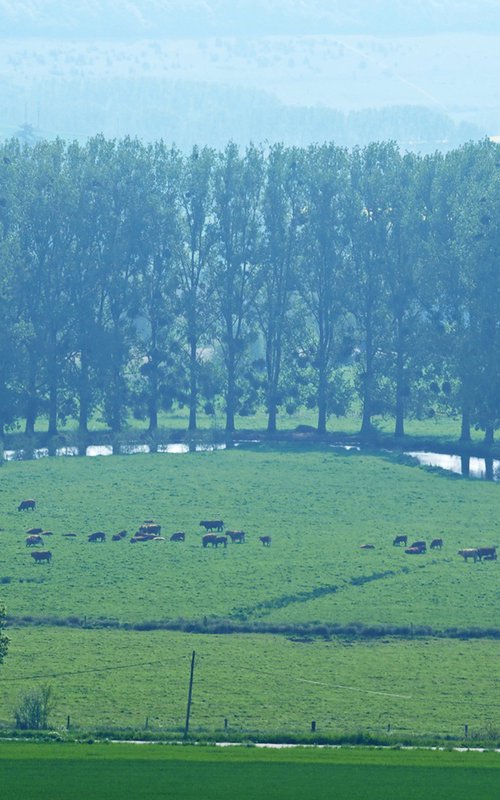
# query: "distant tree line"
134, 277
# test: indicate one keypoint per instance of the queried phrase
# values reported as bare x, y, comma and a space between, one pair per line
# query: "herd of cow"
150, 530
214, 536
477, 553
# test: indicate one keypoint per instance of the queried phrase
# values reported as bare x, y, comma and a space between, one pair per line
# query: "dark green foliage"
33, 708
135, 279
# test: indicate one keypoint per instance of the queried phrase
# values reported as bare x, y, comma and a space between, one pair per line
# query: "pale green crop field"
35, 772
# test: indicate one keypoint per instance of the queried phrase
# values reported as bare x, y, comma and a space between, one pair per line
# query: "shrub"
33, 709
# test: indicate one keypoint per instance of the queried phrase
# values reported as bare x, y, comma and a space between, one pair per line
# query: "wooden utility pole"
190, 694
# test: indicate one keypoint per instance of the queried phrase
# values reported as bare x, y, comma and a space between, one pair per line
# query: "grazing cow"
98, 536
367, 547
400, 540
150, 527
24, 505
436, 544
41, 555
237, 537
420, 545
180, 536
414, 551
488, 553
221, 540
469, 552
209, 538
266, 540
212, 524
117, 537
33, 540
33, 531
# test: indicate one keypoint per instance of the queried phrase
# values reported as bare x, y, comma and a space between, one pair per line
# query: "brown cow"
117, 537
436, 544
469, 552
237, 537
98, 536
488, 553
24, 505
41, 555
420, 545
221, 540
414, 551
33, 540
33, 531
266, 540
209, 538
212, 524
180, 536
400, 540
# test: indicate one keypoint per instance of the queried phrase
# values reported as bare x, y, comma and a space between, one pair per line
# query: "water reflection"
468, 466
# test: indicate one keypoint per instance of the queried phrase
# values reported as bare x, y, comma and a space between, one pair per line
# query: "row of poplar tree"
134, 276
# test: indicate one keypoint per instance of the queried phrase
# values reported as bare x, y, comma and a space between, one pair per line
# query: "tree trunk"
489, 435
322, 397
465, 425
32, 399
193, 384
52, 370
399, 428
231, 392
153, 400
83, 394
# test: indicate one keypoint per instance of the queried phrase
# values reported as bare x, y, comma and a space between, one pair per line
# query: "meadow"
103, 771
85, 610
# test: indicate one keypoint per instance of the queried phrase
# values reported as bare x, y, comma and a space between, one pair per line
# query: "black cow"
400, 540
212, 524
41, 555
98, 536
266, 540
488, 553
209, 538
180, 536
237, 537
24, 505
436, 544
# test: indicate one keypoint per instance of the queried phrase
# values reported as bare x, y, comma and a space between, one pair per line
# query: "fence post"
466, 731
225, 724
147, 723
313, 726
67, 723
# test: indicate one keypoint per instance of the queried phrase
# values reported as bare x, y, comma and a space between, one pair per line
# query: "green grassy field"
272, 685
319, 505
36, 772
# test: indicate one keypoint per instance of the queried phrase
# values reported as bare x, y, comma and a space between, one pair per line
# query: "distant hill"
424, 75
159, 18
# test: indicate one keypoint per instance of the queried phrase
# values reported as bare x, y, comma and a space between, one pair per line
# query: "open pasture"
263, 685
114, 771
318, 504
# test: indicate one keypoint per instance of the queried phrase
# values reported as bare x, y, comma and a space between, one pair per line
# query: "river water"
468, 466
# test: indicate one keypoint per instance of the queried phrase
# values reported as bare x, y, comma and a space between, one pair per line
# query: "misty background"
192, 72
